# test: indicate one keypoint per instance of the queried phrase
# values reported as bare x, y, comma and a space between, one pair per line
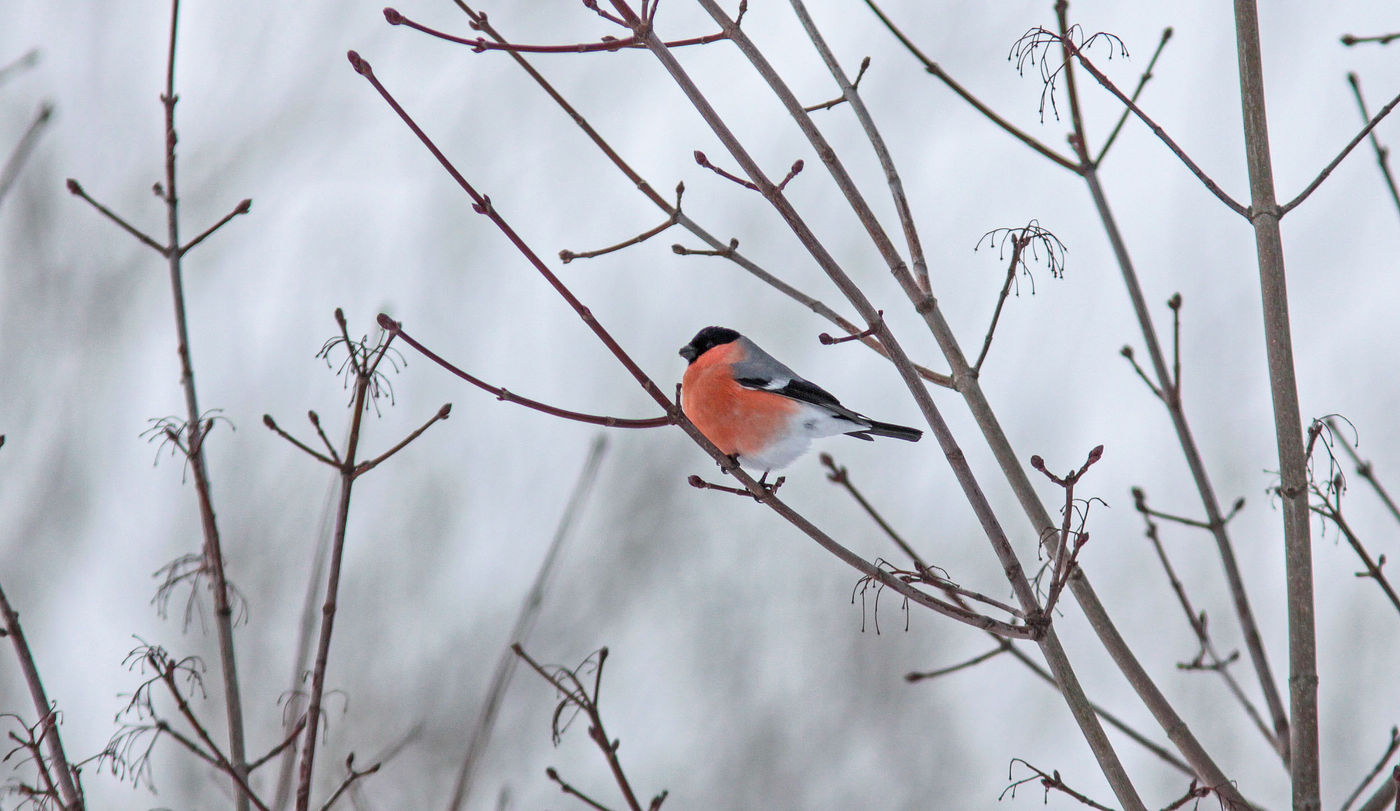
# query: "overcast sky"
742, 675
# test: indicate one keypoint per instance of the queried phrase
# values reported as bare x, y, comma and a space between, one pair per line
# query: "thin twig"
1137, 92
1380, 39
1390, 749
70, 790
567, 256
553, 774
77, 190
349, 781
1365, 470
1341, 156
933, 68
365, 467
1196, 620
567, 682
1102, 78
279, 748
1047, 782
363, 362
242, 208
1003, 646
524, 623
396, 328
24, 62
1382, 152
23, 148
605, 45
855, 84
1017, 245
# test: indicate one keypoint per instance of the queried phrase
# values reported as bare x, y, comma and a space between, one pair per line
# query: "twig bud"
269, 422
359, 64
73, 187
392, 16
388, 324
444, 411
244, 207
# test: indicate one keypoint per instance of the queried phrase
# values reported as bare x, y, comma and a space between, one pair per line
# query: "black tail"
888, 429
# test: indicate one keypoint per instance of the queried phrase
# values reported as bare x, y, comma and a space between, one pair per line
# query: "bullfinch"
760, 411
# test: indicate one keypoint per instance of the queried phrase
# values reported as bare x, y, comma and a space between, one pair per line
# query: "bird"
759, 411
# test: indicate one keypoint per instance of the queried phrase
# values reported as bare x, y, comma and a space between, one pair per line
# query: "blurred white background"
741, 673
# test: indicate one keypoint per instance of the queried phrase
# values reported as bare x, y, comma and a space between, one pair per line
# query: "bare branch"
502, 394
141, 236
242, 208
937, 71
567, 256
1137, 92
1391, 747
69, 789
1346, 150
23, 148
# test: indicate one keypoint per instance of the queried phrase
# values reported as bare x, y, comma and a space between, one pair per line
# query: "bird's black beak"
688, 352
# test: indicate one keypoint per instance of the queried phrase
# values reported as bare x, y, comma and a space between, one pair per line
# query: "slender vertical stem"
1169, 385
323, 646
70, 793
1288, 424
213, 550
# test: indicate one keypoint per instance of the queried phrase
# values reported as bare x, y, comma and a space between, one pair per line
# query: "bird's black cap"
706, 339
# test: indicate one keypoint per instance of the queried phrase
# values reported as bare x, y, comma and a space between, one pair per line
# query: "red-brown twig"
855, 84
1327, 502
1197, 620
1066, 552
577, 696
1003, 646
827, 340
1047, 782
396, 328
362, 365
567, 256
125, 750
350, 779
1137, 91
604, 45
1030, 236
195, 427
553, 774
68, 789
524, 623
703, 161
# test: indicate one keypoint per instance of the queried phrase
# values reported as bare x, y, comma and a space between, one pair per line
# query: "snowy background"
741, 673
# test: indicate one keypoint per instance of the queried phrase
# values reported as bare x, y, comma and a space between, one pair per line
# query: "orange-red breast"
760, 411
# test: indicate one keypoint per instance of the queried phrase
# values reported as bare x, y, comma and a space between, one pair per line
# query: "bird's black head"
705, 339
